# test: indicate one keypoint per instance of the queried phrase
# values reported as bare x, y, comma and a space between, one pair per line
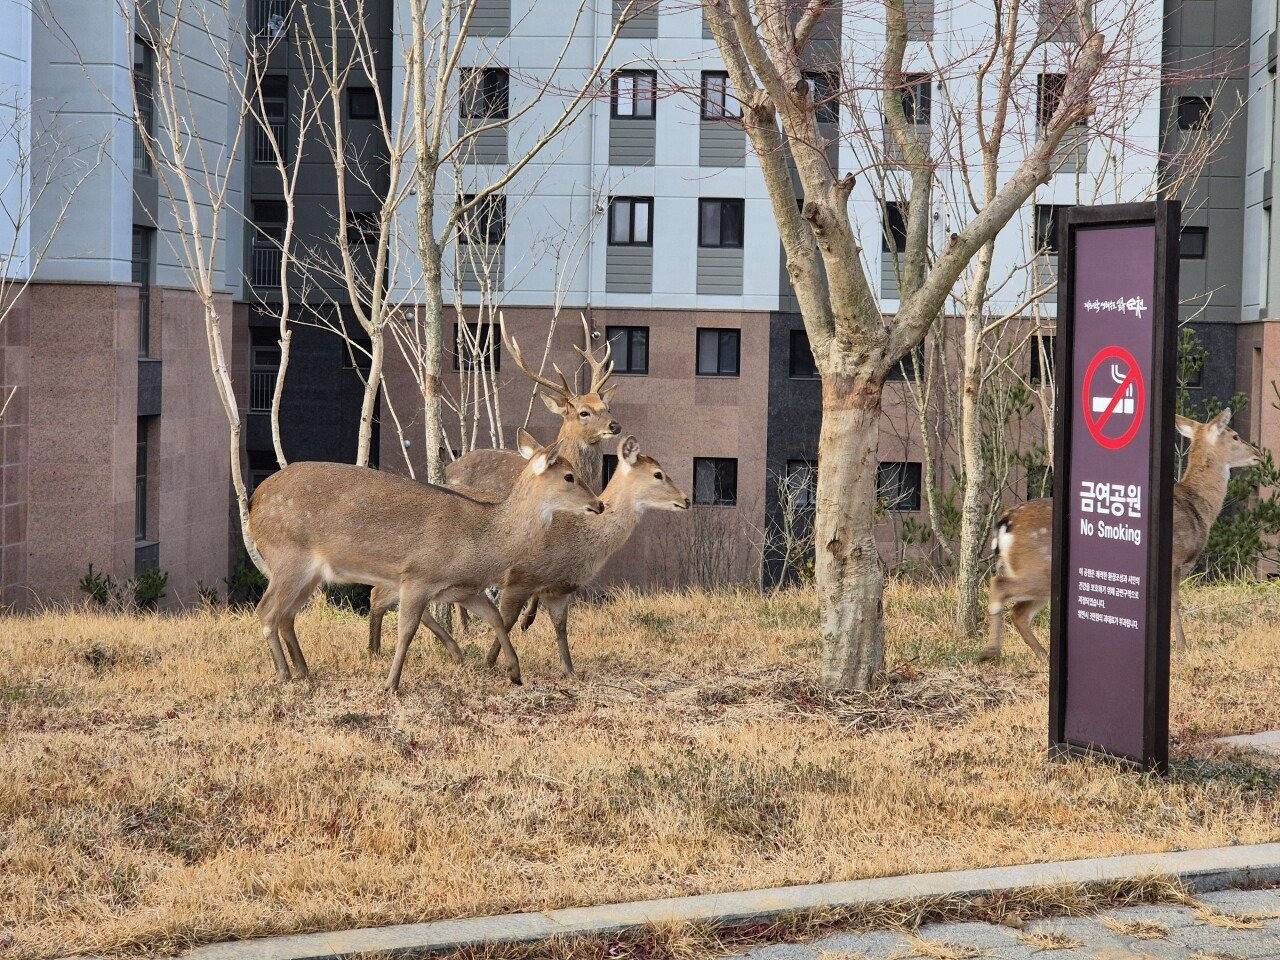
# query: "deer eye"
584, 414
657, 474
568, 478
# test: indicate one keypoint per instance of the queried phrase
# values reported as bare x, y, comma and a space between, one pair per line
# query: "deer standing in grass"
585, 421
1024, 537
336, 523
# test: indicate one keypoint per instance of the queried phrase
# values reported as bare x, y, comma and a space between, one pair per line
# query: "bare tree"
853, 343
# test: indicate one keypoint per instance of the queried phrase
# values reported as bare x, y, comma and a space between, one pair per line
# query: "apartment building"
114, 443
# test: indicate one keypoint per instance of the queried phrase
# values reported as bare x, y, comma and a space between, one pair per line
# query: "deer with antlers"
337, 523
1023, 540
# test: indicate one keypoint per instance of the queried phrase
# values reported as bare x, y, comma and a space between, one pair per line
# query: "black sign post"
1113, 468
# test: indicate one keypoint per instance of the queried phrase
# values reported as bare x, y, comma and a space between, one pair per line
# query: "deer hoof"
989, 654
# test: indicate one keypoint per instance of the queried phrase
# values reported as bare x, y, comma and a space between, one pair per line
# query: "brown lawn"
159, 789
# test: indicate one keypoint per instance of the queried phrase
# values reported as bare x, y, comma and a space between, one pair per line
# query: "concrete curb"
1201, 870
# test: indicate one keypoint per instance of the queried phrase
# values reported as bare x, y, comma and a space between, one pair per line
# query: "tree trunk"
976, 498
433, 352
369, 403
849, 574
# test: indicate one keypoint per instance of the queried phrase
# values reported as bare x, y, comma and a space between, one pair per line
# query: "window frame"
471, 95
1197, 231
726, 99
357, 222
913, 84
903, 370
808, 502
631, 202
142, 481
720, 342
1046, 244
1035, 372
474, 362
1204, 118
801, 335
608, 467
716, 463
352, 94
889, 229
493, 200
633, 76
826, 103
628, 330
917, 497
1048, 100
722, 202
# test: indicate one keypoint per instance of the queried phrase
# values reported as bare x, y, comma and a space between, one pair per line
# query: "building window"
262, 464
141, 478
264, 370
364, 227
824, 95
608, 467
143, 75
720, 223
1049, 90
634, 94
143, 242
1041, 368
268, 239
718, 352
917, 98
629, 349
910, 367
485, 93
718, 101
631, 222
802, 484
715, 481
893, 236
1193, 243
898, 485
1193, 113
275, 119
362, 103
1048, 217
802, 365
484, 222
477, 346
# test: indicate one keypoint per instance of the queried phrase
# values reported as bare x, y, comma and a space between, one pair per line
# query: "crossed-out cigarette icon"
1124, 404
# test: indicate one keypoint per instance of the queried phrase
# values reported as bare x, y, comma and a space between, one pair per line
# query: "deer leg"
558, 607
530, 614
995, 622
510, 603
1179, 635
484, 610
378, 607
267, 614
295, 649
413, 602
443, 635
1023, 613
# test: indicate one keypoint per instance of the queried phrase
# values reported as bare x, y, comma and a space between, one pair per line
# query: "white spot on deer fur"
1004, 540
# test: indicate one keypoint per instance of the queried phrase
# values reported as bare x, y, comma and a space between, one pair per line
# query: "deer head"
548, 479
1215, 446
647, 485
585, 417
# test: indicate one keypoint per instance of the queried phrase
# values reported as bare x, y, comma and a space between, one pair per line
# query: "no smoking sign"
1113, 397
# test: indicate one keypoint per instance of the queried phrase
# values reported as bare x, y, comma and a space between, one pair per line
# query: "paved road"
1241, 924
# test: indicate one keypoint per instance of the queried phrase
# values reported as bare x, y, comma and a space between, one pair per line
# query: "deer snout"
595, 507
615, 428
682, 504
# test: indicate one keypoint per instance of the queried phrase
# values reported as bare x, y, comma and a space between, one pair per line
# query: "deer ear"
546, 456
629, 451
1185, 427
607, 394
1223, 418
526, 444
555, 404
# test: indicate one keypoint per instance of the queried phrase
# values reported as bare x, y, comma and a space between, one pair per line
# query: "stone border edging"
1201, 870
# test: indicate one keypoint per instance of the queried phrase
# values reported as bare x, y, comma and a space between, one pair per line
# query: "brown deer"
336, 523
1024, 537
585, 422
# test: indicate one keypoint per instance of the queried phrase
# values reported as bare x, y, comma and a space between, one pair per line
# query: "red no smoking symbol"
1114, 396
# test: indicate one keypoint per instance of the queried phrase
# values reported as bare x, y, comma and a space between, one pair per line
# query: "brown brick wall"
13, 459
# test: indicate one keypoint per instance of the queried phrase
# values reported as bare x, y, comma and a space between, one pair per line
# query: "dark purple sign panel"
1112, 507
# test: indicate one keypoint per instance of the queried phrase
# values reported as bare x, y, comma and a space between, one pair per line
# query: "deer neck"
574, 446
515, 523
621, 515
1204, 480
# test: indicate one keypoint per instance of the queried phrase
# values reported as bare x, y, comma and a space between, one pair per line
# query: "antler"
561, 389
602, 369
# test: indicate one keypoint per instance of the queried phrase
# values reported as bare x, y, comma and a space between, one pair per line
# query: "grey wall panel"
642, 23
721, 144
889, 270
919, 19
487, 147
632, 142
720, 271
628, 270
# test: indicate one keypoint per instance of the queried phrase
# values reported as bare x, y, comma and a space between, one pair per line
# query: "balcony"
264, 266
270, 16
262, 388
263, 152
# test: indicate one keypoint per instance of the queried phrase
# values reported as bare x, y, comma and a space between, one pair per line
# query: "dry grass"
1049, 940
159, 789
1138, 929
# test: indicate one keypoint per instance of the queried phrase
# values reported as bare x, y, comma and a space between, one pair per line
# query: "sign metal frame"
1165, 216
